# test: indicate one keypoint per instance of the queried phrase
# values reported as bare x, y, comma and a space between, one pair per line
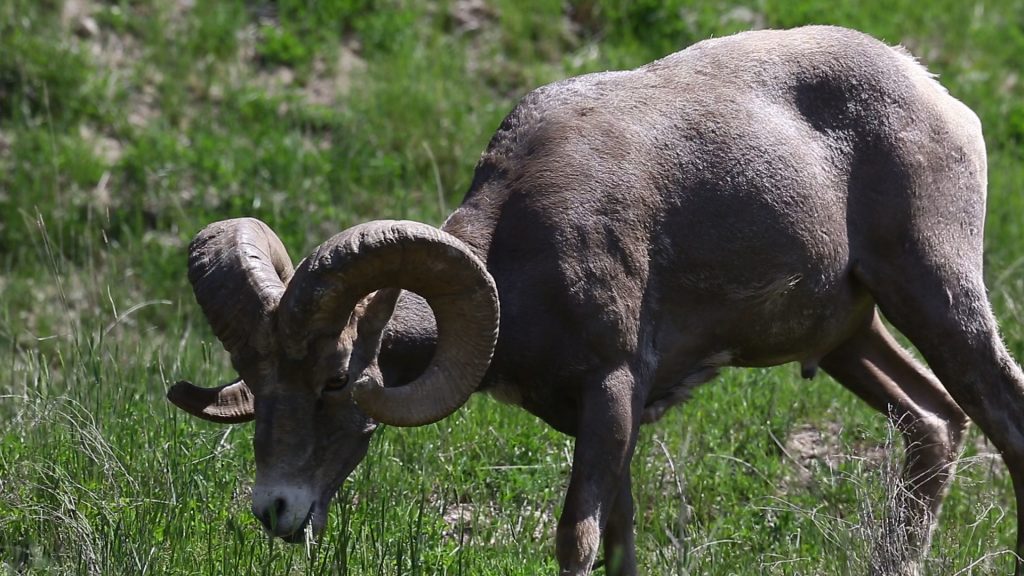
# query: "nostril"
263, 516
270, 515
282, 509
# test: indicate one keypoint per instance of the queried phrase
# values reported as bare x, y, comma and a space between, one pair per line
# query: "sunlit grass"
117, 145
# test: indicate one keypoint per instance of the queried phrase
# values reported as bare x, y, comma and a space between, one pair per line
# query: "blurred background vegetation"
127, 125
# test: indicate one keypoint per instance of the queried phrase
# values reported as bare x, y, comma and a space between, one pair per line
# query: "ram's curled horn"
228, 404
238, 269
415, 257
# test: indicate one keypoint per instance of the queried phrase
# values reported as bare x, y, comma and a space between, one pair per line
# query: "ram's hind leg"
873, 366
945, 312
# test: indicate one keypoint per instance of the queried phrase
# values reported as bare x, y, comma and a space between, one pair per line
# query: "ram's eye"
336, 383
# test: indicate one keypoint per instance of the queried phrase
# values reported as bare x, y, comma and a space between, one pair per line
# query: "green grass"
117, 146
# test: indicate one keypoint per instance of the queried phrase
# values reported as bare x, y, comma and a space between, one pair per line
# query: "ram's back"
701, 201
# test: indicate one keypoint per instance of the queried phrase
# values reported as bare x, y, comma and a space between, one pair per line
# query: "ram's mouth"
299, 535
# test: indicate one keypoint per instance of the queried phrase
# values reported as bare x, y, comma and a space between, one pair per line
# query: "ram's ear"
231, 403
378, 311
368, 321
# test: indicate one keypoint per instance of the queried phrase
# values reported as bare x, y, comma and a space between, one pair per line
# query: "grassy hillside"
125, 126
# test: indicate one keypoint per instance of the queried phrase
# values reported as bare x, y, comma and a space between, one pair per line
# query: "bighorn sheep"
752, 200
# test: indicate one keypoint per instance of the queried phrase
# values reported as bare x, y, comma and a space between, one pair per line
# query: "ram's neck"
408, 342
473, 222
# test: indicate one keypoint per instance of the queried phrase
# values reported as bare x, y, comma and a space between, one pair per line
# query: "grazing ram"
750, 201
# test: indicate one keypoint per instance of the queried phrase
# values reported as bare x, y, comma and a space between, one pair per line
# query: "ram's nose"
282, 509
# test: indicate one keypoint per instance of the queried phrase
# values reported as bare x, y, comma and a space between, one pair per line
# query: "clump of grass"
843, 516
281, 47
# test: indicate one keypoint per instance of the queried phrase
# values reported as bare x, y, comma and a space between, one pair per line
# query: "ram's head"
306, 347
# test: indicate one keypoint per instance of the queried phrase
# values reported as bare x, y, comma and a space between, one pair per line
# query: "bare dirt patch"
332, 78
117, 55
458, 518
469, 16
812, 447
332, 75
466, 520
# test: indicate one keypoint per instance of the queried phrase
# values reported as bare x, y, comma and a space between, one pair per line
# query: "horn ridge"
412, 256
238, 269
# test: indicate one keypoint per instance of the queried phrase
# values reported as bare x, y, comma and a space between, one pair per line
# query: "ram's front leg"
619, 536
605, 436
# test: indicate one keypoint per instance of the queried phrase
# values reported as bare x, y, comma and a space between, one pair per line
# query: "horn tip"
175, 392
